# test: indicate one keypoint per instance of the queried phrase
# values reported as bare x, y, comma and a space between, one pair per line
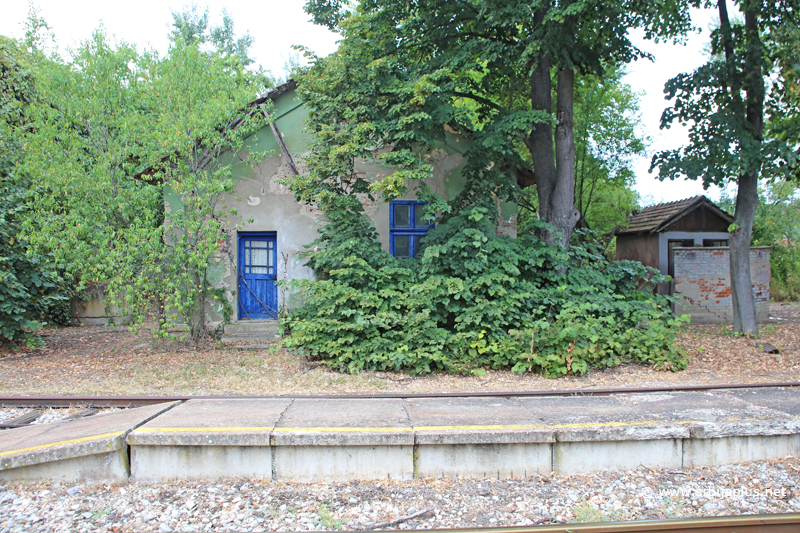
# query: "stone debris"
54, 414
256, 505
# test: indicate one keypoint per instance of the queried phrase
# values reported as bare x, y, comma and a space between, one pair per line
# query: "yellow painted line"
555, 426
414, 428
209, 430
343, 429
72, 441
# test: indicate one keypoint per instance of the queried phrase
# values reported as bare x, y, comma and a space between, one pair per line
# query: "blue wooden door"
258, 266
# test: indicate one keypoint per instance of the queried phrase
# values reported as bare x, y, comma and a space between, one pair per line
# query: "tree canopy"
743, 121
105, 115
409, 74
191, 27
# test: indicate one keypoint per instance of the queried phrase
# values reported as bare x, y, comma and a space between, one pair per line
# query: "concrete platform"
344, 439
478, 437
307, 439
207, 439
84, 449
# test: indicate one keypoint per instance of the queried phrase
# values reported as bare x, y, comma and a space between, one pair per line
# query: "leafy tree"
724, 101
777, 224
28, 285
109, 113
199, 121
606, 141
192, 28
406, 74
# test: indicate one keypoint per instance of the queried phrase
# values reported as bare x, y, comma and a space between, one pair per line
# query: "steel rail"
138, 401
778, 523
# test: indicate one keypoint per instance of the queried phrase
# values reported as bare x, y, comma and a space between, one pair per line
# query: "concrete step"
250, 346
258, 327
249, 339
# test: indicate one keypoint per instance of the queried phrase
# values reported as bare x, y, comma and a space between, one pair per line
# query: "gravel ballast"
762, 487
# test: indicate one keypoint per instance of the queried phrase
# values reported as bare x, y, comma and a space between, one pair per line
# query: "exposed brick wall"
703, 283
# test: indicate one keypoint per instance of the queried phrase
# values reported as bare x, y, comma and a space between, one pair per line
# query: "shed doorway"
671, 260
258, 296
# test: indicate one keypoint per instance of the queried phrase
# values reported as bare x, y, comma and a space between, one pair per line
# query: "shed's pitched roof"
656, 218
272, 94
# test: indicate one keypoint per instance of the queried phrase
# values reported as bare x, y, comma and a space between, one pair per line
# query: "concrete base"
90, 449
482, 460
341, 463
728, 450
584, 457
156, 463
342, 439
109, 467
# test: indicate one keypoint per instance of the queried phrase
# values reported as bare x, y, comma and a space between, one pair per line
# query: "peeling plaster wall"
260, 196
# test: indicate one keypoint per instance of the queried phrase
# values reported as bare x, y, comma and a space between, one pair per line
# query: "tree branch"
395, 521
480, 99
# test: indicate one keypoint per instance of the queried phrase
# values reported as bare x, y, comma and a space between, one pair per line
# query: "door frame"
240, 264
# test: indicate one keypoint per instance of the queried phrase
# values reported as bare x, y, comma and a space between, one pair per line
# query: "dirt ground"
113, 361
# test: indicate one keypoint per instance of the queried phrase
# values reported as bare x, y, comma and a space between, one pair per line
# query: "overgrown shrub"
28, 285
475, 299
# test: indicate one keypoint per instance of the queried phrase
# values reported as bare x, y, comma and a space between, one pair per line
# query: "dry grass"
113, 361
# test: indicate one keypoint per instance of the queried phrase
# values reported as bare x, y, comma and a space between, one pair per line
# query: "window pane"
421, 217
402, 246
402, 216
417, 246
259, 257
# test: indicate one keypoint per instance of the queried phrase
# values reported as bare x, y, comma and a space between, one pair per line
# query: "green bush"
28, 285
475, 299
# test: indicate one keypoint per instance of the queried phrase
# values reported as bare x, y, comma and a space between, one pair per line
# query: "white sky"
277, 25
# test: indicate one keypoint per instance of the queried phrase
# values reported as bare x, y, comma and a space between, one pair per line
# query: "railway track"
92, 403
782, 523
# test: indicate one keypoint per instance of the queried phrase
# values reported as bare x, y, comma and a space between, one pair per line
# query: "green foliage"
714, 99
29, 286
606, 142
409, 76
473, 300
777, 224
191, 28
106, 115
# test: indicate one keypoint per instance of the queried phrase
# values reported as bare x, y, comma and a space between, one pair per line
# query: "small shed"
654, 232
689, 241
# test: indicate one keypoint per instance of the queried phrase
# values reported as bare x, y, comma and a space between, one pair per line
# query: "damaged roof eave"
658, 226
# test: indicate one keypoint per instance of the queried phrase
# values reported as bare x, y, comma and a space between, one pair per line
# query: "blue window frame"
408, 223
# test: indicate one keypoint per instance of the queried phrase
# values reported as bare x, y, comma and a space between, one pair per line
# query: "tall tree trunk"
554, 170
540, 141
564, 214
744, 306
